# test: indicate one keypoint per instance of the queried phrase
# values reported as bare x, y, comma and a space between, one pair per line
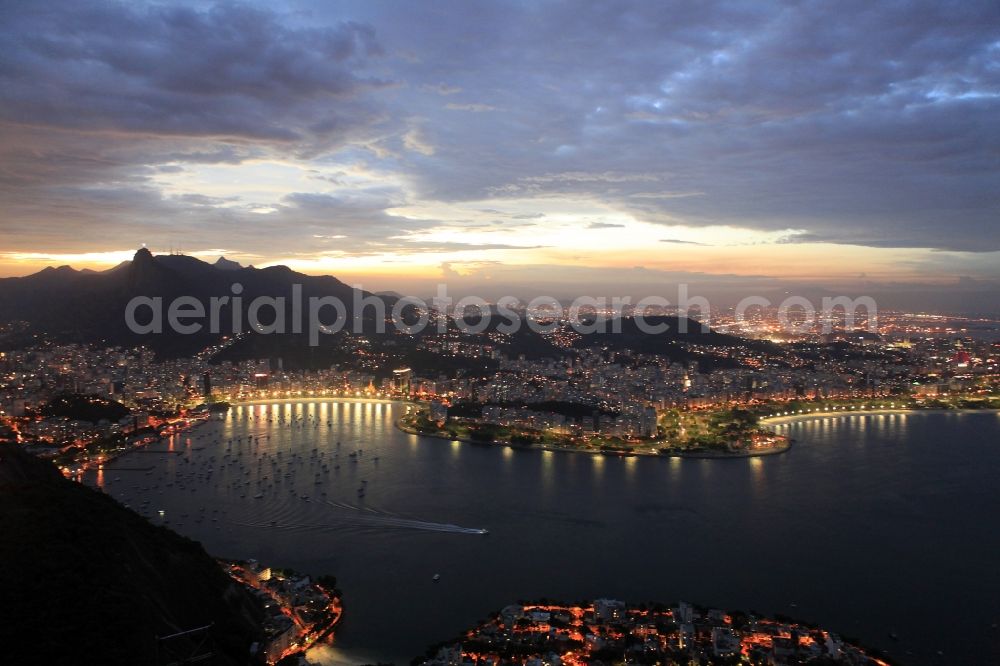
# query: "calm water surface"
871, 525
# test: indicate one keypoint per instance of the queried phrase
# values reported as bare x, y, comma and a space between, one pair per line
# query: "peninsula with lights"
568, 427
81, 390
607, 631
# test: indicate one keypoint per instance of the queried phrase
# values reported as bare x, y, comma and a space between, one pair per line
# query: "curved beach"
792, 418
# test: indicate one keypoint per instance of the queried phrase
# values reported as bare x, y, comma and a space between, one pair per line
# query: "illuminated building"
401, 378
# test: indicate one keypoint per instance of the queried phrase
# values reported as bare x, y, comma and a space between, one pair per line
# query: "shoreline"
645, 453
699, 454
321, 398
793, 418
135, 448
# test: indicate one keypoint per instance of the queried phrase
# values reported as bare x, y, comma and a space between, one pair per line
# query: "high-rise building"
401, 378
648, 422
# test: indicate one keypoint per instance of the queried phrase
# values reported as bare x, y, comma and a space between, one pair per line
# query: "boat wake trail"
362, 516
371, 516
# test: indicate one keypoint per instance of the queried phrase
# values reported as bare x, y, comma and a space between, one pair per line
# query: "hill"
85, 580
82, 407
670, 336
68, 305
89, 306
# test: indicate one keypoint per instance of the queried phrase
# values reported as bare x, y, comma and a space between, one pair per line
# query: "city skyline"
562, 148
645, 332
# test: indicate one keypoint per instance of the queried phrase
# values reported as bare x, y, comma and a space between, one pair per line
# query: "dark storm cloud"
870, 123
98, 98
855, 122
232, 70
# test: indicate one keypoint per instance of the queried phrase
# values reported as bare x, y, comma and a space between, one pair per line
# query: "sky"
561, 147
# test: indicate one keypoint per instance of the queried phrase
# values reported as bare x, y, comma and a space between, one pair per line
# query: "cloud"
361, 217
604, 225
231, 70
420, 245
680, 242
855, 124
860, 123
475, 108
416, 141
442, 88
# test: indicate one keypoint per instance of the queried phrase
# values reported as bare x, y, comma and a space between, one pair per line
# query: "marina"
444, 531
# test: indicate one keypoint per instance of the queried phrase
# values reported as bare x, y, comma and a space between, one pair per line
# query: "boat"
436, 577
258, 495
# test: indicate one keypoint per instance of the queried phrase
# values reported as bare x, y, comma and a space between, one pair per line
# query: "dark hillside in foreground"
86, 581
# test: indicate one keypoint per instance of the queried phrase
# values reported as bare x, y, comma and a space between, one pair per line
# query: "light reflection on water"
857, 525
548, 471
758, 483
598, 465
